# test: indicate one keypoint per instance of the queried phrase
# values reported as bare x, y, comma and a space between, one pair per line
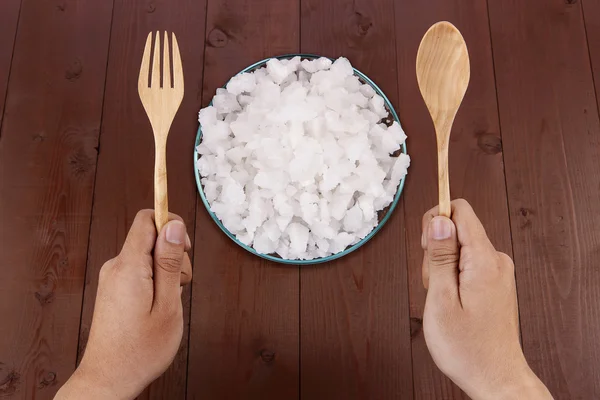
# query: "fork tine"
177, 67
155, 81
166, 64
145, 67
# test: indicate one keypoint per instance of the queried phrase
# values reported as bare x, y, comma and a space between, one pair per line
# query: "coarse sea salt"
296, 158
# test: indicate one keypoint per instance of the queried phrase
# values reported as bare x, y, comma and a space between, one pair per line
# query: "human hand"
471, 321
138, 318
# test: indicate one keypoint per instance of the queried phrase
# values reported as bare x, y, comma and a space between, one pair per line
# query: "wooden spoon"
443, 73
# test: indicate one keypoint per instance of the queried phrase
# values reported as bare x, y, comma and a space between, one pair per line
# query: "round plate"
383, 215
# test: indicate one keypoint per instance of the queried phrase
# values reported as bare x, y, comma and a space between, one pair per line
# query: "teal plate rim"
315, 261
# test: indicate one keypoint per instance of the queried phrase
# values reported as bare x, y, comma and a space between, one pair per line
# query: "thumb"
442, 257
168, 260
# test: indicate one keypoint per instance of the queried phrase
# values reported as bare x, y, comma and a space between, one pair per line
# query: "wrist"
529, 387
91, 385
79, 384
524, 385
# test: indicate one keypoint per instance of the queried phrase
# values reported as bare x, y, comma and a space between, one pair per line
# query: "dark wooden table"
76, 156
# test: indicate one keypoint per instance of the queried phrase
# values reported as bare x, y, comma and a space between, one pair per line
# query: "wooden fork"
161, 105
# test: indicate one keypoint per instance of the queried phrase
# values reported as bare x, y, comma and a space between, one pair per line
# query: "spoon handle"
444, 180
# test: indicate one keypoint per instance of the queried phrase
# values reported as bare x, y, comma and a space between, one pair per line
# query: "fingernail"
188, 242
176, 232
441, 228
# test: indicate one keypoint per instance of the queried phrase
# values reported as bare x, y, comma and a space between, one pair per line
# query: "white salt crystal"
324, 213
211, 190
263, 244
310, 212
337, 99
341, 241
331, 178
354, 146
235, 154
233, 223
282, 205
207, 116
312, 66
323, 230
377, 105
290, 190
275, 180
242, 177
245, 238
244, 100
367, 228
365, 202
340, 204
353, 220
387, 144
396, 132
251, 223
352, 84
382, 202
358, 99
342, 67
218, 131
277, 70
293, 64
283, 221
241, 83
232, 193
298, 237
218, 208
283, 251
367, 91
400, 168
225, 102
205, 165
323, 245
370, 116
303, 77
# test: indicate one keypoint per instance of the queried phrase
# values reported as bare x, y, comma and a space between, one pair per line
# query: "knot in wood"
217, 38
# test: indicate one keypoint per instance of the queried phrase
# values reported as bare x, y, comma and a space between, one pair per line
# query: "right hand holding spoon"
471, 322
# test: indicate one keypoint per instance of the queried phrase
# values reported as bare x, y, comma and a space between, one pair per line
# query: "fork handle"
161, 200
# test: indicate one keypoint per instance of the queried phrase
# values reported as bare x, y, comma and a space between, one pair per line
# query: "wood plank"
591, 13
476, 166
244, 332
9, 16
551, 135
125, 164
355, 333
48, 158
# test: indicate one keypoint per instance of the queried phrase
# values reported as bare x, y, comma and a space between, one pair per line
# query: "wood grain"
48, 157
9, 16
355, 334
551, 136
244, 333
476, 166
591, 14
124, 181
